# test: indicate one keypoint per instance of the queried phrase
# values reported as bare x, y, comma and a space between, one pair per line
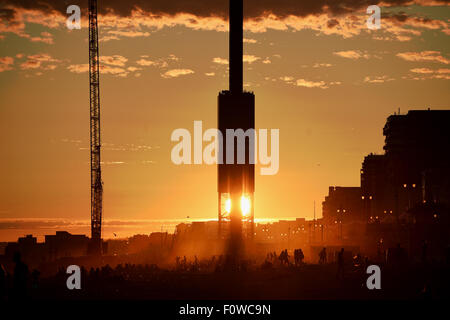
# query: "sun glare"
245, 206
228, 205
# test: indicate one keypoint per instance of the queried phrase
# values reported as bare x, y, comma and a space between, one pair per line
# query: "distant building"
28, 248
375, 191
343, 205
63, 245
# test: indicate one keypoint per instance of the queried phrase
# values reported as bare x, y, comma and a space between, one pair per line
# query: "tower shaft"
236, 112
236, 45
94, 97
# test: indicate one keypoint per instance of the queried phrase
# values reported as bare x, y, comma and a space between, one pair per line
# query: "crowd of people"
21, 282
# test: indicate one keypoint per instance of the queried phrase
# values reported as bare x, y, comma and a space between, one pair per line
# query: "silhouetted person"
284, 257
298, 256
323, 256
340, 260
20, 279
301, 256
281, 257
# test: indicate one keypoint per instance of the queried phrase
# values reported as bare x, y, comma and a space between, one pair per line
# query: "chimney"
236, 45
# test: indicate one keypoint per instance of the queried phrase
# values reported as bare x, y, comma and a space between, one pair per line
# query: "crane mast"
94, 97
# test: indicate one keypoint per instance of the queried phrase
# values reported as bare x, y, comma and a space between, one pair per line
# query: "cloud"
219, 8
78, 68
145, 62
287, 79
426, 74
108, 38
174, 73
39, 61
422, 70
423, 56
13, 20
311, 84
210, 74
104, 69
247, 40
377, 79
352, 54
115, 60
428, 71
6, 63
129, 34
133, 69
322, 65
306, 83
247, 58
220, 60
160, 62
121, 72
250, 58
117, 34
128, 18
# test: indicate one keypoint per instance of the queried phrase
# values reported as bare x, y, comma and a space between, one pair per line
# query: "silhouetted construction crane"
94, 97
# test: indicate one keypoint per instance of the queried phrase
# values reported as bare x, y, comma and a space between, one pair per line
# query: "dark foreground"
289, 283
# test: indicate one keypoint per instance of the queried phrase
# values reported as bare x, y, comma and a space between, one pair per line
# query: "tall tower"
236, 110
94, 96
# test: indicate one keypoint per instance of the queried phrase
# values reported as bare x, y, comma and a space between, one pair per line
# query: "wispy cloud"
311, 84
377, 79
139, 19
423, 56
308, 83
352, 54
219, 60
6, 63
322, 65
426, 74
119, 34
40, 61
78, 68
287, 79
145, 62
249, 58
174, 73
252, 41
428, 71
164, 62
115, 60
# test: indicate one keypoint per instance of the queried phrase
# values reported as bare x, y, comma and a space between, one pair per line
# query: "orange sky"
325, 80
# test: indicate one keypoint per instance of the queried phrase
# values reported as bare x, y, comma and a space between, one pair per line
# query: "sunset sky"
318, 73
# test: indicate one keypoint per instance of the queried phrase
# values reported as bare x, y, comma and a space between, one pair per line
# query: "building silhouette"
374, 188
417, 148
342, 205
